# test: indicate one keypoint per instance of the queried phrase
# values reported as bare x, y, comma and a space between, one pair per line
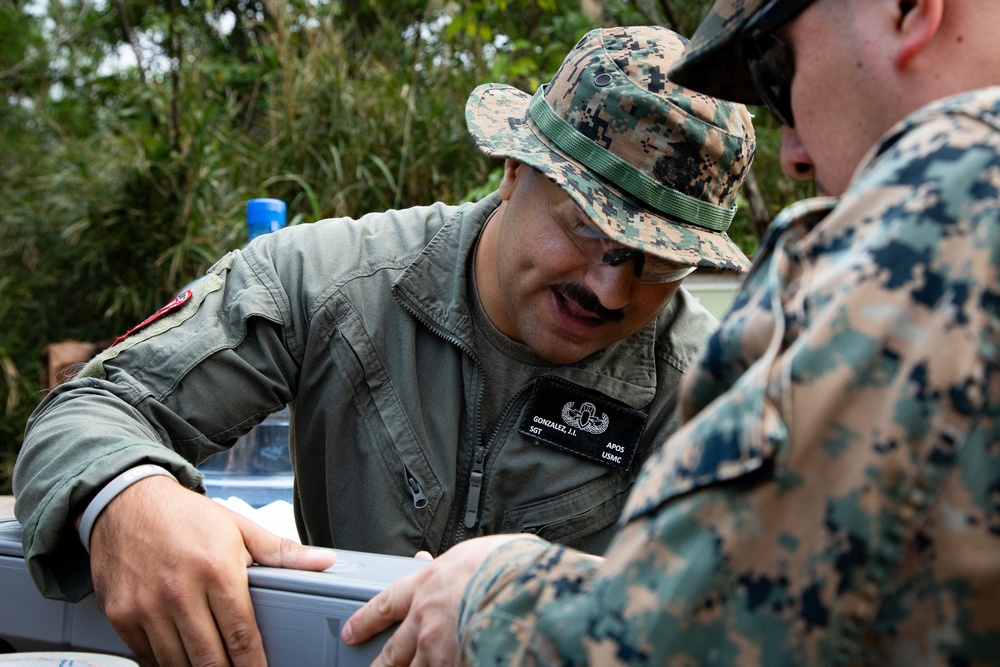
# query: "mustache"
587, 300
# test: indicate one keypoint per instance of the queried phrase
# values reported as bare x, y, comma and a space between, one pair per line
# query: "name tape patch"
583, 422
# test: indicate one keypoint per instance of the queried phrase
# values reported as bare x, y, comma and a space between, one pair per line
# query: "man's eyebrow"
577, 214
571, 211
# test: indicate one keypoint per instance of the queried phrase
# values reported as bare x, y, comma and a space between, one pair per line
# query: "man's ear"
510, 166
919, 21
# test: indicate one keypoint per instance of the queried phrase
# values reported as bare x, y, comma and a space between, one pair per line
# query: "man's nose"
795, 159
612, 285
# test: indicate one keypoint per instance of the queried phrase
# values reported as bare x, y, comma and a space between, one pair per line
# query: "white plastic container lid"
64, 659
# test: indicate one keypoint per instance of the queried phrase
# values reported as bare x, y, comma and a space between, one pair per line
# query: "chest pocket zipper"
475, 487
417, 493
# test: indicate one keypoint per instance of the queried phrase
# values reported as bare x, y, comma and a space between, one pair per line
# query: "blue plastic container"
264, 216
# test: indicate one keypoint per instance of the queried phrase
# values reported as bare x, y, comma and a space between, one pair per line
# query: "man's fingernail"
347, 634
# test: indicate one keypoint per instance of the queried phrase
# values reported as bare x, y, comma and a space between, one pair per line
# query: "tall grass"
99, 229
120, 192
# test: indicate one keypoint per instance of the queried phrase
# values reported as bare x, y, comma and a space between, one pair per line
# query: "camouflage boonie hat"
711, 63
655, 166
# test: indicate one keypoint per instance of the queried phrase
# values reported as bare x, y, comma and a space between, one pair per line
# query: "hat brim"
711, 63
497, 118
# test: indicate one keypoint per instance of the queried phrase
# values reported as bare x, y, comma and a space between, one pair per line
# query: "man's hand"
170, 572
427, 603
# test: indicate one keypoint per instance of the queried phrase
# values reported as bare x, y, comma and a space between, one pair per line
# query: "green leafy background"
132, 133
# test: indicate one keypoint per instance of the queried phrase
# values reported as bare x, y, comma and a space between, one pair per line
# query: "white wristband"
108, 493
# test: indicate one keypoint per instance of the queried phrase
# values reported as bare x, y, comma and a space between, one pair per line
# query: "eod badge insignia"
583, 422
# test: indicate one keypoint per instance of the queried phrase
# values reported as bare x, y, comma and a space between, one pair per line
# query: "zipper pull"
413, 486
475, 487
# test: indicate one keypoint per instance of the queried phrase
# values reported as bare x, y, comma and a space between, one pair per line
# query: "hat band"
624, 175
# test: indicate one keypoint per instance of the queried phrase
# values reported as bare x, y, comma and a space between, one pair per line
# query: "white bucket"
64, 659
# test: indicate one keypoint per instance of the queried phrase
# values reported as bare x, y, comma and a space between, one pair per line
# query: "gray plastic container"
299, 613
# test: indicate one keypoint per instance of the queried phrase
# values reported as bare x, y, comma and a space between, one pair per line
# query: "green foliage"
777, 189
122, 184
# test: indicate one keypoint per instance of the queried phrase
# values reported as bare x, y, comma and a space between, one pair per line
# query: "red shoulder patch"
181, 299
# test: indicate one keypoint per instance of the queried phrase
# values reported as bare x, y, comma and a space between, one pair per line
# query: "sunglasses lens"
771, 69
768, 58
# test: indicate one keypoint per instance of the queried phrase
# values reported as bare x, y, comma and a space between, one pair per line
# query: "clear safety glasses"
601, 249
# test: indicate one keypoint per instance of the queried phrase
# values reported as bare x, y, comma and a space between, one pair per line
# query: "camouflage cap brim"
498, 120
711, 62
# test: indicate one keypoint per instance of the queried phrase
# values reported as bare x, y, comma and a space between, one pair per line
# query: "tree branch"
132, 40
758, 209
671, 20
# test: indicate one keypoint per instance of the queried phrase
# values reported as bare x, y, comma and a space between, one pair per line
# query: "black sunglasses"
767, 56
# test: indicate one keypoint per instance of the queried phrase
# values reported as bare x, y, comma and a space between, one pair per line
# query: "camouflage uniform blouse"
834, 496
